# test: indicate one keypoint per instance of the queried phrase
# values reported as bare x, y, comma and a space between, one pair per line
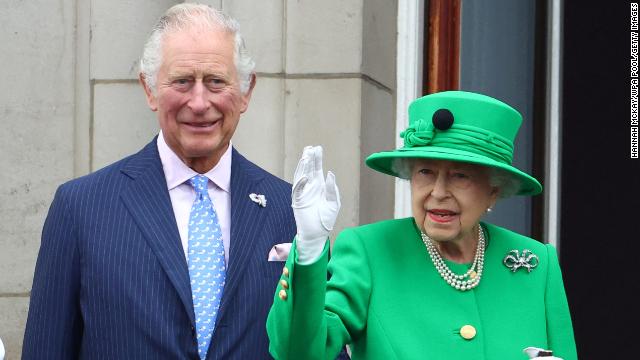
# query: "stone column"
36, 142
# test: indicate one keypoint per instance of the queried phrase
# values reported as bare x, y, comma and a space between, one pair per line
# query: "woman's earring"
489, 209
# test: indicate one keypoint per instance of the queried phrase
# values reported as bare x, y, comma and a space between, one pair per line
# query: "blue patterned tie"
206, 263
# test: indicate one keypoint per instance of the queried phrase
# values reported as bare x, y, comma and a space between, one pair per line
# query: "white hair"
508, 184
402, 167
188, 16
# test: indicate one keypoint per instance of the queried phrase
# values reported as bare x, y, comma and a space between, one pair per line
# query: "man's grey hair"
508, 184
189, 16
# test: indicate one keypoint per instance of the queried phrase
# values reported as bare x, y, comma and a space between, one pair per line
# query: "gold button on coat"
285, 271
284, 283
282, 294
468, 332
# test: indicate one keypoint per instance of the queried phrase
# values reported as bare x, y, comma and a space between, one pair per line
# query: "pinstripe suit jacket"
111, 280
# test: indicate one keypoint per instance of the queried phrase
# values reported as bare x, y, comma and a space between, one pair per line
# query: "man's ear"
151, 98
246, 97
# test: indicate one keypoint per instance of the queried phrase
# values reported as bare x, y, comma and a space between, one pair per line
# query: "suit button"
282, 294
193, 330
285, 271
284, 283
468, 332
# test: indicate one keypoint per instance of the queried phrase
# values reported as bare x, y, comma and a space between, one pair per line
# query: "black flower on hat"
442, 119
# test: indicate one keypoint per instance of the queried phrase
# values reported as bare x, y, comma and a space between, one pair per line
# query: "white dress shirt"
182, 193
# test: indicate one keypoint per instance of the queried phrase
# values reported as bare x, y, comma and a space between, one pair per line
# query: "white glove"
535, 353
315, 204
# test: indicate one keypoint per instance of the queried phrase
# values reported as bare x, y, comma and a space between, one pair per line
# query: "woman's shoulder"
382, 237
382, 228
512, 238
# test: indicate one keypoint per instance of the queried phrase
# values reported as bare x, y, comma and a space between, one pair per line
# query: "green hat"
460, 126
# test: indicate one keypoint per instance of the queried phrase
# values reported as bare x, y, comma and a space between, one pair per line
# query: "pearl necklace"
466, 281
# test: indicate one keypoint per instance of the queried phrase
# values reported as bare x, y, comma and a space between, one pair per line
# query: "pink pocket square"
280, 252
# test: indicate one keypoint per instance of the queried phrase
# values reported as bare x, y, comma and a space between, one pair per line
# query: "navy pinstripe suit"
111, 280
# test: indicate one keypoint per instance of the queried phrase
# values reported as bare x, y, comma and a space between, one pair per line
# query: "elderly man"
167, 254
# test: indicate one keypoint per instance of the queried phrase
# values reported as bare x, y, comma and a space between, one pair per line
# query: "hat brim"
383, 162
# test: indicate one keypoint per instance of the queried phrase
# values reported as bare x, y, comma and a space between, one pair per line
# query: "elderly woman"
438, 285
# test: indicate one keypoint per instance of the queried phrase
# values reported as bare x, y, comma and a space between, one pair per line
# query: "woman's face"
448, 198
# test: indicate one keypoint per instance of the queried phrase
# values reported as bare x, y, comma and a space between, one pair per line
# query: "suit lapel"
247, 219
147, 198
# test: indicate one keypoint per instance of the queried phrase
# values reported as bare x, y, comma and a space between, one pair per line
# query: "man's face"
198, 98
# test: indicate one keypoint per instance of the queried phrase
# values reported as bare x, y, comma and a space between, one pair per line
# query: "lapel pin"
514, 260
258, 199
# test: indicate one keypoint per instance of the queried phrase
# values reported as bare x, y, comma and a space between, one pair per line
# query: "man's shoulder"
245, 167
108, 174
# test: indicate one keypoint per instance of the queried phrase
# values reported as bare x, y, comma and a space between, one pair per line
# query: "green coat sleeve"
317, 318
559, 328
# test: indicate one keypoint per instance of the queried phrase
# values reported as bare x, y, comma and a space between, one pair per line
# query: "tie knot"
199, 183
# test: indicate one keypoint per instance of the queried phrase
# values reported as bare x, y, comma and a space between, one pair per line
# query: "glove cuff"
309, 250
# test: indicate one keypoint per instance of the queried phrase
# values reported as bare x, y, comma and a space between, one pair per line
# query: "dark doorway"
600, 199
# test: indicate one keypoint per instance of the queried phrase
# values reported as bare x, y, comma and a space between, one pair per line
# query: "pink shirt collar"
177, 172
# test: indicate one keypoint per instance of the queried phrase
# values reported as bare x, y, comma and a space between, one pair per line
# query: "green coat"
386, 299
